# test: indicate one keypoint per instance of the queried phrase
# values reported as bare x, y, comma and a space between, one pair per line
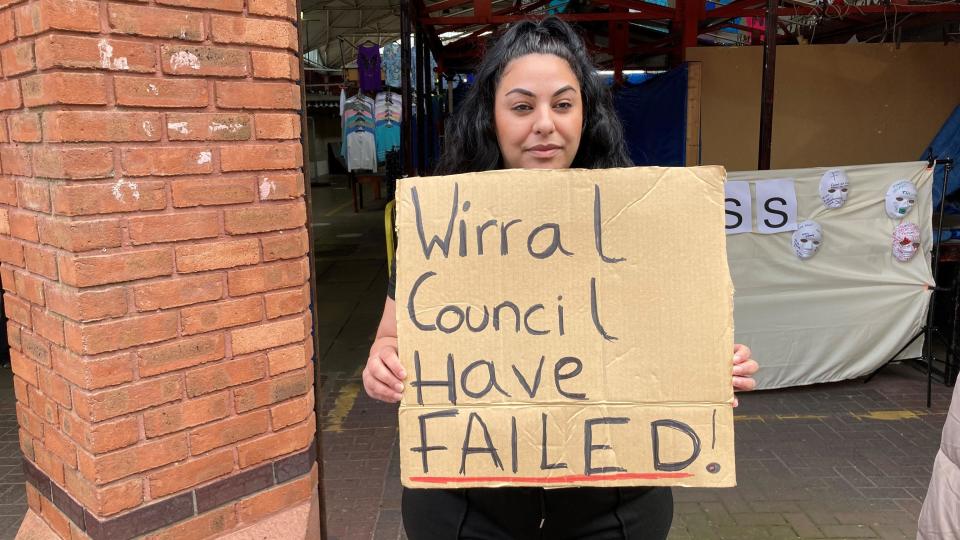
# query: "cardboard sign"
564, 328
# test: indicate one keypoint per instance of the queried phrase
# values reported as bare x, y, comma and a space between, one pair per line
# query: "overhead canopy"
622, 34
327, 22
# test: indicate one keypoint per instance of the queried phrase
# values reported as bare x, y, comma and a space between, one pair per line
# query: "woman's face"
538, 113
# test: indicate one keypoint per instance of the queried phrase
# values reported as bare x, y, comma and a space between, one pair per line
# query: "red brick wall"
153, 257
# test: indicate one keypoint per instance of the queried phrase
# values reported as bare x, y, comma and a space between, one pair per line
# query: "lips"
544, 151
544, 147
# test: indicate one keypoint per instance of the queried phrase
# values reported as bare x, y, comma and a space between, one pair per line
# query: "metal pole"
431, 126
766, 91
421, 116
449, 98
406, 130
947, 167
928, 353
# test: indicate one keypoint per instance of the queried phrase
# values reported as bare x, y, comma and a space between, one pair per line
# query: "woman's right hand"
383, 376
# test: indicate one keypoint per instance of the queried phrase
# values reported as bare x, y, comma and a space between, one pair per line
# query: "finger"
368, 385
392, 361
744, 384
381, 373
736, 402
746, 369
741, 353
378, 390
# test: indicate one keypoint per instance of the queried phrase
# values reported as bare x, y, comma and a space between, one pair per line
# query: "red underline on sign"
551, 480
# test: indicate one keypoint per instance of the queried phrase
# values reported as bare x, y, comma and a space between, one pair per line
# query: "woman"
536, 104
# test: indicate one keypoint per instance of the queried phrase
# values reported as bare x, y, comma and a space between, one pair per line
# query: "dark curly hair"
471, 139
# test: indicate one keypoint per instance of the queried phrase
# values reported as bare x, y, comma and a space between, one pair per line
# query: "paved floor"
13, 495
844, 460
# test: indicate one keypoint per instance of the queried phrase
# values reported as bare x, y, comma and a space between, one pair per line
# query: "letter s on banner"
776, 206
739, 207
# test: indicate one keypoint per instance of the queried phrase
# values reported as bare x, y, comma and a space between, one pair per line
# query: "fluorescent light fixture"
626, 71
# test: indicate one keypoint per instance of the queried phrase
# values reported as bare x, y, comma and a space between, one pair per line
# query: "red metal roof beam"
489, 28
733, 9
661, 45
619, 42
482, 8
440, 6
685, 28
570, 17
859, 10
644, 7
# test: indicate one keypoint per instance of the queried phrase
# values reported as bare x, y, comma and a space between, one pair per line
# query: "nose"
544, 125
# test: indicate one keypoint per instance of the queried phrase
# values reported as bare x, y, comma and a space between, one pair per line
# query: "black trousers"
538, 514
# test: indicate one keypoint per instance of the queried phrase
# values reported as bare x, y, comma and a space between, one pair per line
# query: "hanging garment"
388, 115
387, 137
368, 66
361, 151
388, 104
391, 64
357, 113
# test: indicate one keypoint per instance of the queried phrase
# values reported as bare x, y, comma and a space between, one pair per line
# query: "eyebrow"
526, 92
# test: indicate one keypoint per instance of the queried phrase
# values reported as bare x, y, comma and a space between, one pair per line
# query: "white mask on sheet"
901, 196
807, 239
834, 188
906, 241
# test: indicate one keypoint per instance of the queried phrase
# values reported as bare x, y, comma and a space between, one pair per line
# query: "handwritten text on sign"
556, 332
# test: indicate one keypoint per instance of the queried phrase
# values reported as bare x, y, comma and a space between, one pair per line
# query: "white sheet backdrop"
843, 313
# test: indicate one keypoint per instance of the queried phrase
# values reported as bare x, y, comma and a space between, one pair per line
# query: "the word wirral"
544, 235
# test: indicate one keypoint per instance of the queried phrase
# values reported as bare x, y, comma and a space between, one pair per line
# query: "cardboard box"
564, 328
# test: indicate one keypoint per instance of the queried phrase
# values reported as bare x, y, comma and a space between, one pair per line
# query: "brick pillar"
153, 249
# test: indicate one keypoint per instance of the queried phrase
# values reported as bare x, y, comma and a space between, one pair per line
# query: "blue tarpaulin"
946, 145
654, 117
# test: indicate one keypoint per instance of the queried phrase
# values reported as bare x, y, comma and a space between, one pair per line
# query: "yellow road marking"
890, 415
346, 398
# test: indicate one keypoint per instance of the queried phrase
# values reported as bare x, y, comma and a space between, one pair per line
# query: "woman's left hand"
743, 369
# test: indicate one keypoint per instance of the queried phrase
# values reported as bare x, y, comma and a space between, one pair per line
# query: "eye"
803, 240
831, 190
816, 242
843, 190
564, 105
911, 201
521, 107
900, 199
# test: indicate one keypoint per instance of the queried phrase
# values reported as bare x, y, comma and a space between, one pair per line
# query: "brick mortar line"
161, 511
116, 35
